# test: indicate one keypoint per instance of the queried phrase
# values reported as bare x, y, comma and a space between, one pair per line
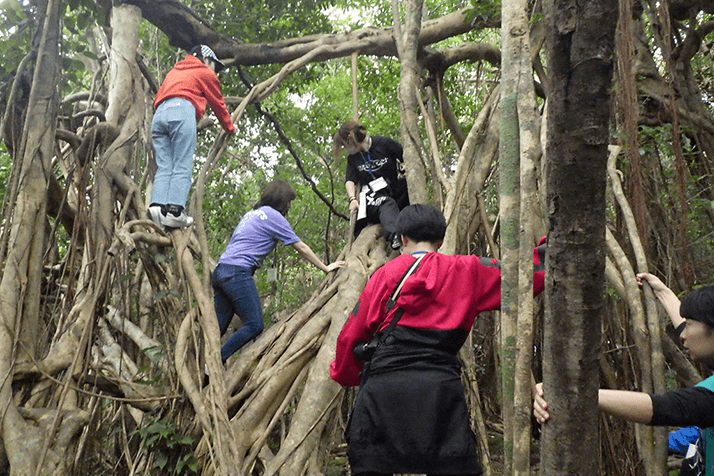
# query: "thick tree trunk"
519, 143
509, 205
407, 40
519, 147
476, 157
579, 55
111, 178
32, 447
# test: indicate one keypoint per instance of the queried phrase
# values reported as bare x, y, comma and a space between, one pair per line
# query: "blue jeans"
234, 292
173, 131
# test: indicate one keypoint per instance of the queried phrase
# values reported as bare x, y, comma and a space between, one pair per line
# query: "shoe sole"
176, 222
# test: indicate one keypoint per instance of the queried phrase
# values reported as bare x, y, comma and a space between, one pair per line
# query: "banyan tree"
589, 122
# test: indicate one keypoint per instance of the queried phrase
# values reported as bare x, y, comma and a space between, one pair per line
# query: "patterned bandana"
207, 52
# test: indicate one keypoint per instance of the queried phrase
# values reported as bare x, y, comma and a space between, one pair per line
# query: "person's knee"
255, 326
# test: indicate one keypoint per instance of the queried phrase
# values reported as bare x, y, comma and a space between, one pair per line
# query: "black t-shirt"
684, 407
383, 159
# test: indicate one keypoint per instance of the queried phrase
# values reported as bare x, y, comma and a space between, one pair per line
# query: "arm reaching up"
666, 296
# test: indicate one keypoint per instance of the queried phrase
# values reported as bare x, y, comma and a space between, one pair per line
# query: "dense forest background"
107, 322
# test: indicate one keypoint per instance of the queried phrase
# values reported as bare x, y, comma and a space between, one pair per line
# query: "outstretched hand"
540, 406
335, 265
652, 280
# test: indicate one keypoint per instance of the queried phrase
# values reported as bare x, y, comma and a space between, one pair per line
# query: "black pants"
386, 214
410, 416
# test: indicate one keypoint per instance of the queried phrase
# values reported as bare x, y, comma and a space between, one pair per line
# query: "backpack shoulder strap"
398, 289
395, 295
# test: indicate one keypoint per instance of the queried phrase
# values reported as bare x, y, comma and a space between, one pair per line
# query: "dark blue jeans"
234, 292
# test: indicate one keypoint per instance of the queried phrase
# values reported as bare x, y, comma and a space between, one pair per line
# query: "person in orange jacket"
178, 105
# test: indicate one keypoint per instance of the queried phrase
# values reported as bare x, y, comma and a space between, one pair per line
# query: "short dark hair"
277, 194
421, 222
196, 51
698, 305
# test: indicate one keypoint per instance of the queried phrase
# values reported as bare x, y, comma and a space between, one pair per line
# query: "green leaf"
161, 460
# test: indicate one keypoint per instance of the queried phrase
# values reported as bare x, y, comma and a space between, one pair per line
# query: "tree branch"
184, 29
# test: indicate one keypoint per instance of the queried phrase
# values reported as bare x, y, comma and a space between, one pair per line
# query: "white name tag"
362, 210
378, 184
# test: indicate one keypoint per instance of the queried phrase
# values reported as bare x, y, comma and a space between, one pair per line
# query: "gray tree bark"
579, 55
520, 147
29, 437
407, 40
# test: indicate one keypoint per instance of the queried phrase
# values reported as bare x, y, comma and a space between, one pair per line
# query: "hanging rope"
355, 103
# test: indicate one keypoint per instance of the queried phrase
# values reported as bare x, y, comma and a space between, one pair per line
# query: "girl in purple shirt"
256, 235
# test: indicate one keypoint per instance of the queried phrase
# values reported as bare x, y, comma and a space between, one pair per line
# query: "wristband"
350, 200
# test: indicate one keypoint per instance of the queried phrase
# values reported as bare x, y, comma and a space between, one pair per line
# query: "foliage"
309, 105
16, 25
483, 12
173, 452
267, 21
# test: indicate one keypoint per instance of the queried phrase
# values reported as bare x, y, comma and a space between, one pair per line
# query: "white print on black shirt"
373, 165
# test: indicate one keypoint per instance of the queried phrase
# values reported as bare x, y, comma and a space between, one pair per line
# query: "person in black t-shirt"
694, 319
374, 178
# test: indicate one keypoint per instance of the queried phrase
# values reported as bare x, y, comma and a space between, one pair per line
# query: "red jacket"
191, 79
446, 293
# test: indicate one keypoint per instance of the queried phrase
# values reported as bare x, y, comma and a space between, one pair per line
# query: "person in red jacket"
410, 414
180, 102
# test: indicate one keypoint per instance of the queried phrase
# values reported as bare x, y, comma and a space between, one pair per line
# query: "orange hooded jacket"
191, 79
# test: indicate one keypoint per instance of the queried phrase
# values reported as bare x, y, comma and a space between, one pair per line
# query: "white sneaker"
396, 241
154, 214
174, 221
